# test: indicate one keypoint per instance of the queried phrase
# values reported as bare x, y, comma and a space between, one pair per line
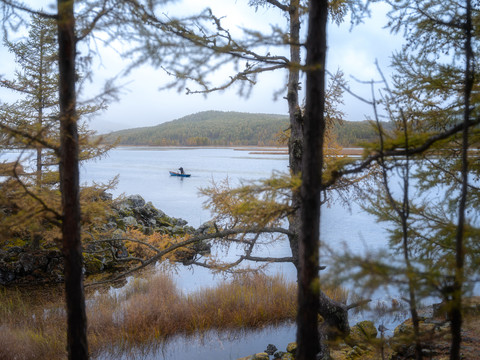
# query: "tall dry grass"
146, 311
156, 309
32, 326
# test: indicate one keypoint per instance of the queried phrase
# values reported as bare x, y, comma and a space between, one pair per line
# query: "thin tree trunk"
41, 88
403, 213
456, 306
314, 129
39, 166
69, 185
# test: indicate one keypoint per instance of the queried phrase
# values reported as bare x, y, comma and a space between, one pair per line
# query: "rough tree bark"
295, 142
69, 185
314, 129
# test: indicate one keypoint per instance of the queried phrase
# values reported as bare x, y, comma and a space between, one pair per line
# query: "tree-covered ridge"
230, 129
208, 128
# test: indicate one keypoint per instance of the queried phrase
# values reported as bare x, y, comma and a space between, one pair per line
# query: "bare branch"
398, 152
162, 253
91, 26
279, 5
243, 75
157, 250
358, 304
268, 259
22, 7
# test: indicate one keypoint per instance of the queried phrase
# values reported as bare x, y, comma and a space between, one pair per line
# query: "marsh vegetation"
146, 312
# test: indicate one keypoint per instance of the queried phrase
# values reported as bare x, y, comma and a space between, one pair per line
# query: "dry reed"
145, 312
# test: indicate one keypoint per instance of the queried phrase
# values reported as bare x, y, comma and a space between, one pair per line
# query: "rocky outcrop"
134, 212
435, 334
21, 265
361, 334
360, 344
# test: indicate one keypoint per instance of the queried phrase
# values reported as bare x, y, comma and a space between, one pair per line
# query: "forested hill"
217, 128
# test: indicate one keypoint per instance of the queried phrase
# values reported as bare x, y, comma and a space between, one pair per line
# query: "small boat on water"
174, 173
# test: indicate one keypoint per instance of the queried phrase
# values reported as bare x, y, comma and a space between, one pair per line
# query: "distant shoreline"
262, 150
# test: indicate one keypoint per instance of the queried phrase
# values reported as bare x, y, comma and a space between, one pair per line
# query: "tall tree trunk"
455, 312
69, 185
314, 129
295, 143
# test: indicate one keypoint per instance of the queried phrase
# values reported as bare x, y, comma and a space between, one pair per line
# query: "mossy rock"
287, 356
120, 223
178, 230
405, 329
15, 242
361, 334
189, 229
164, 221
92, 264
356, 352
130, 221
11, 259
258, 356
340, 354
261, 356
345, 352
292, 348
135, 201
125, 211
403, 335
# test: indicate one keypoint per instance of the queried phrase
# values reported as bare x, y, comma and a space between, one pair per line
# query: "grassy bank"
146, 311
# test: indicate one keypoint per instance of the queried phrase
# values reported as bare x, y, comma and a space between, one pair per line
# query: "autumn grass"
146, 311
31, 327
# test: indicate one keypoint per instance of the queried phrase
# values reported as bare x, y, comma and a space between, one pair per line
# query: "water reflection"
210, 345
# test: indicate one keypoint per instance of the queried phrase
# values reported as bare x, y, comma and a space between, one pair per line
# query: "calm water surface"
144, 171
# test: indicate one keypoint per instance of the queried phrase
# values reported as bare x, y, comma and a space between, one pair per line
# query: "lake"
145, 171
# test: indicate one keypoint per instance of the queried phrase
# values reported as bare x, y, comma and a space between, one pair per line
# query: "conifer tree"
438, 77
433, 218
36, 81
32, 123
67, 149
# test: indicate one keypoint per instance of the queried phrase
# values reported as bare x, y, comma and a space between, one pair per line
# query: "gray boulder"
136, 201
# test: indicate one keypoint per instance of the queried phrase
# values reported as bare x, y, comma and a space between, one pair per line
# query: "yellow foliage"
262, 203
159, 241
33, 213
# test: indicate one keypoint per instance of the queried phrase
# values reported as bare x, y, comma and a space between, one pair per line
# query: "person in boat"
181, 170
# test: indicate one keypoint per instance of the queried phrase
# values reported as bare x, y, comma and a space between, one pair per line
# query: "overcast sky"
142, 104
